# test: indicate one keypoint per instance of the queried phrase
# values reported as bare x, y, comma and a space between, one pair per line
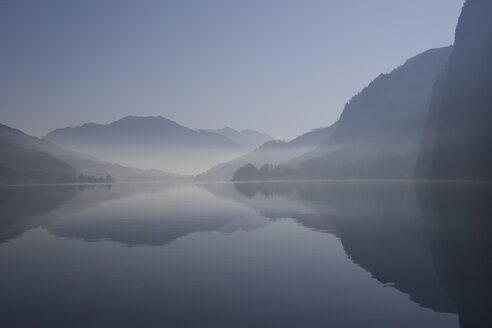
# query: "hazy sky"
282, 67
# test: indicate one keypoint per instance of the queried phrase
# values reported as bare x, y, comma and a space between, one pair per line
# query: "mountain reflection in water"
249, 254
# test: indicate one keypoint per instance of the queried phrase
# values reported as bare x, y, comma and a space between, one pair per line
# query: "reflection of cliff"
380, 228
458, 218
385, 235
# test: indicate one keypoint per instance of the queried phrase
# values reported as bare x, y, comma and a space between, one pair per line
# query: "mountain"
458, 138
378, 134
26, 158
272, 152
149, 142
379, 131
133, 130
314, 137
249, 138
22, 161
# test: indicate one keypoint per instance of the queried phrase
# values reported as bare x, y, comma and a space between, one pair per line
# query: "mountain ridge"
379, 132
149, 142
271, 152
248, 137
20, 150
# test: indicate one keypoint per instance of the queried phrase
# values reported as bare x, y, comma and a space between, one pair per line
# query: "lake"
312, 254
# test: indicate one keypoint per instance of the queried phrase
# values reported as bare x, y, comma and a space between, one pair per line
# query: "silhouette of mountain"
30, 159
273, 152
458, 138
249, 138
313, 137
457, 146
379, 131
149, 142
22, 161
133, 130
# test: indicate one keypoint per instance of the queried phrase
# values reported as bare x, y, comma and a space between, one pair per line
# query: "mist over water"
188, 161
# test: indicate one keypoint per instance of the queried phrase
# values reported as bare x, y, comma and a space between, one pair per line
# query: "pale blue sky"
282, 67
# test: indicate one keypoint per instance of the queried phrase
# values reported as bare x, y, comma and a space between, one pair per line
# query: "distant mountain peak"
227, 130
149, 142
250, 138
134, 118
145, 122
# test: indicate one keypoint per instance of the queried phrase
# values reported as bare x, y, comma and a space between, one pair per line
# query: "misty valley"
128, 200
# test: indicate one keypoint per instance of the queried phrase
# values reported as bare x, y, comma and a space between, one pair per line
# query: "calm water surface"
244, 255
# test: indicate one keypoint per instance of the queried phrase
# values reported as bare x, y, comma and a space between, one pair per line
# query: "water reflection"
24, 207
155, 219
458, 218
264, 255
380, 227
430, 240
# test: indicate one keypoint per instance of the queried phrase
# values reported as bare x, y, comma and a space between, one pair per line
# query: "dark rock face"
458, 138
